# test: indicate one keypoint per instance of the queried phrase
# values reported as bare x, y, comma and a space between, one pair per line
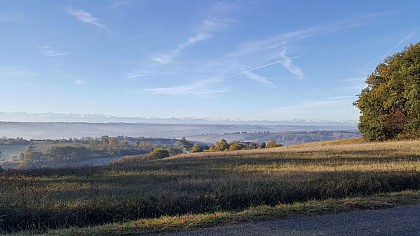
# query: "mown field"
205, 183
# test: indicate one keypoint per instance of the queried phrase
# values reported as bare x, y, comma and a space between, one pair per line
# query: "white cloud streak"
47, 51
288, 64
316, 110
205, 31
85, 17
264, 52
256, 77
79, 82
119, 3
258, 67
354, 84
401, 42
8, 72
167, 58
199, 88
136, 75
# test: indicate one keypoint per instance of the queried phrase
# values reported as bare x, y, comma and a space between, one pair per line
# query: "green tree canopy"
196, 148
159, 153
272, 144
236, 146
220, 146
390, 105
185, 143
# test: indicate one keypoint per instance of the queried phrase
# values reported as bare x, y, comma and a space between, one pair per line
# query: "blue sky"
240, 60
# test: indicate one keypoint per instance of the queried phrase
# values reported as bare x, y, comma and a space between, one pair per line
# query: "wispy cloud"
85, 17
288, 64
255, 55
49, 52
353, 84
257, 77
205, 31
119, 3
15, 72
256, 68
399, 44
79, 82
198, 88
316, 110
277, 42
167, 58
137, 74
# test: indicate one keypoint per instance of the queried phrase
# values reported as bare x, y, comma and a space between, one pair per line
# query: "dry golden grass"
193, 221
206, 183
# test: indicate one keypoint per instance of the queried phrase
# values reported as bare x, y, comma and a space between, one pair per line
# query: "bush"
236, 146
220, 146
196, 148
159, 153
272, 144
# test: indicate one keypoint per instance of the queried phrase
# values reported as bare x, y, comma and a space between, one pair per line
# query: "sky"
238, 60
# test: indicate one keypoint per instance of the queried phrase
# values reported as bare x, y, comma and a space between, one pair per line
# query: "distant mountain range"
100, 118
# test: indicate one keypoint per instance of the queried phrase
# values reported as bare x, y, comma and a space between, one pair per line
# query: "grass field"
206, 185
11, 151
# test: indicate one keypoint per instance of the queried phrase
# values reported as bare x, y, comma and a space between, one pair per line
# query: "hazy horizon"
103, 118
66, 130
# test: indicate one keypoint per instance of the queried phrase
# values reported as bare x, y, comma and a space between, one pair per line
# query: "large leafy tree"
390, 105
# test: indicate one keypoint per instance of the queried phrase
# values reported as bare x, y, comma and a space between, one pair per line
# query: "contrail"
399, 44
258, 67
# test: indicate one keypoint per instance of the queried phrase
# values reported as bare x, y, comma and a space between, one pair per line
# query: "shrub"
196, 148
159, 153
272, 144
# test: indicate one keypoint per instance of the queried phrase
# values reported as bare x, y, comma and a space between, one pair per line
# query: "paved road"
394, 221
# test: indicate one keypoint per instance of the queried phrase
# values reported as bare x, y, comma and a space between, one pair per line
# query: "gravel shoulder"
403, 220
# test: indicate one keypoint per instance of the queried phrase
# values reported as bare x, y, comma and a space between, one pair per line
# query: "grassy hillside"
11, 151
206, 183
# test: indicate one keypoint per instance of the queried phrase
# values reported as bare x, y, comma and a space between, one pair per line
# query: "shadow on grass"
57, 198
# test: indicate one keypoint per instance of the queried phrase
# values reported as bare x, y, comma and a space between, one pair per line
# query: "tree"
175, 151
185, 143
113, 142
272, 144
222, 145
236, 146
159, 153
196, 148
253, 145
390, 105
263, 145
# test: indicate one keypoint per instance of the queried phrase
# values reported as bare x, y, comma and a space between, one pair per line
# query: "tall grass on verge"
206, 182
263, 212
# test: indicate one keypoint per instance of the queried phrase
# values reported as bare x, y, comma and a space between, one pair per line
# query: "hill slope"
206, 183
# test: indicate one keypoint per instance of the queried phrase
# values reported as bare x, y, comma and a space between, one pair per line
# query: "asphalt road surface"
393, 221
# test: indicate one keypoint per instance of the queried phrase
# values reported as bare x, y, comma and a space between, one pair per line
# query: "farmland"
205, 183
28, 154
